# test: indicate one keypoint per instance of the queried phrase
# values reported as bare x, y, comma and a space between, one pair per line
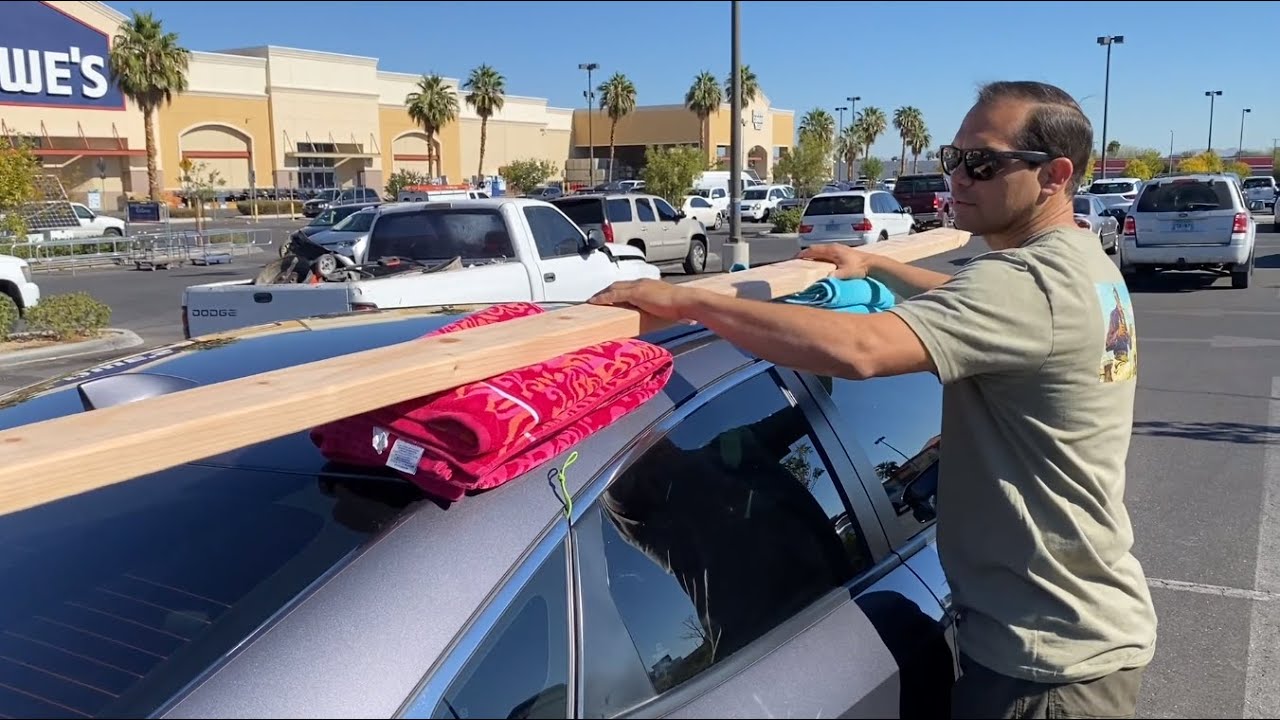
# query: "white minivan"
855, 217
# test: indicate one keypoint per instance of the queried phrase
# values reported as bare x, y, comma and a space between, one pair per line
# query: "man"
1056, 618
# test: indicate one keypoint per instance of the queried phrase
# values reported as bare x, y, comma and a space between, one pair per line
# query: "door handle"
549, 277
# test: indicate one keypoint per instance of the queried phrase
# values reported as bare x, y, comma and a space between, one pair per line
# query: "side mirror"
680, 215
906, 210
594, 240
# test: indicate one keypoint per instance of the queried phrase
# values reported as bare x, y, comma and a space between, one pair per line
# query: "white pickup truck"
431, 253
16, 283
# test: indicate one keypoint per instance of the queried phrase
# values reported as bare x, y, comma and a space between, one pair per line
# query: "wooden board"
58, 458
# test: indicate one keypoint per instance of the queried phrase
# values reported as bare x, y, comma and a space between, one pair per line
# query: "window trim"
528, 223
898, 538
438, 678
882, 560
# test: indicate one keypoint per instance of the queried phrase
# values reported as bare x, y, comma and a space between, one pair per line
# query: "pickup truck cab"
1260, 191
68, 220
928, 196
436, 253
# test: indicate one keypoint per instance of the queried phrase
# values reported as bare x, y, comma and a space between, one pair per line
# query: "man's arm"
810, 339
903, 279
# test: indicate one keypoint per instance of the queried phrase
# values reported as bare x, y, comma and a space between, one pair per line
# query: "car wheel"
696, 261
1240, 278
719, 221
113, 232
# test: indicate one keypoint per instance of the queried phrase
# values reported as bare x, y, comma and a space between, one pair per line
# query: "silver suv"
1190, 222
648, 222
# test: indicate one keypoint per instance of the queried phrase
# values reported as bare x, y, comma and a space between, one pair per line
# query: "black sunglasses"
985, 163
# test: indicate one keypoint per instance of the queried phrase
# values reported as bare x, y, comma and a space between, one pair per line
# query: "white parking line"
1262, 678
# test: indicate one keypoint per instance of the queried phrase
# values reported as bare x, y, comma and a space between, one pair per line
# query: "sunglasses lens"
980, 164
949, 157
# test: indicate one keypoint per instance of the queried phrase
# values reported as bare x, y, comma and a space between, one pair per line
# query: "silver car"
1091, 214
350, 236
753, 541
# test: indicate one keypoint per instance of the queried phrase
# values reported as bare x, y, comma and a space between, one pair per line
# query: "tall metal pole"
839, 133
591, 124
1170, 152
853, 118
738, 255
1240, 145
1212, 94
1107, 40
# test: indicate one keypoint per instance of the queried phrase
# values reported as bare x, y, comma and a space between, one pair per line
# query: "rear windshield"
1111, 188
113, 601
835, 205
355, 222
1186, 196
906, 185
1258, 182
582, 211
433, 234
1082, 206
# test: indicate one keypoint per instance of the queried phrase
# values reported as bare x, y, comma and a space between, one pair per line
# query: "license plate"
832, 227
1183, 227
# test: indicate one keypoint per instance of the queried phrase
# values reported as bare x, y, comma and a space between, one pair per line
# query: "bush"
68, 316
787, 221
8, 316
270, 207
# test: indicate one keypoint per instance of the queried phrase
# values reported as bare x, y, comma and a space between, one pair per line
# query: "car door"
566, 270
891, 428
900, 222
718, 566
1110, 225
675, 232
651, 232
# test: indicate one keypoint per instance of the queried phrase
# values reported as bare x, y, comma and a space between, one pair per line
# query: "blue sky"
807, 54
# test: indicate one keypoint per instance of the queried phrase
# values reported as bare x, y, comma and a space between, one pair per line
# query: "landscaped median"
60, 326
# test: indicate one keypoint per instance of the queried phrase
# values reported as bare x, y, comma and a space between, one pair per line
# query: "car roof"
1117, 179
848, 193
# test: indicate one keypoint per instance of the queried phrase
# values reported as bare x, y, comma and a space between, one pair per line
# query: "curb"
113, 339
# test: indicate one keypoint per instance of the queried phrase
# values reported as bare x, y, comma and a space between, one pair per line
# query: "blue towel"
860, 295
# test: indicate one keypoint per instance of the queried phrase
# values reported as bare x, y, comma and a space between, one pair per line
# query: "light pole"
853, 117
589, 94
1170, 152
738, 255
881, 440
1108, 41
1211, 94
1240, 145
839, 133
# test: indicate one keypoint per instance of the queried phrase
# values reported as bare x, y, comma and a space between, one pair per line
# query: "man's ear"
1055, 175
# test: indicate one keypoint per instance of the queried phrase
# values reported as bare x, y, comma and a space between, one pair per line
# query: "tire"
719, 221
884, 235
1240, 278
695, 262
112, 232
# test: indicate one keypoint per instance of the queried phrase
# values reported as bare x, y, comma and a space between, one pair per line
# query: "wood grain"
61, 457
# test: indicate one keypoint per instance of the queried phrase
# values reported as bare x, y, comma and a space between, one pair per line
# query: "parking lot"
1204, 484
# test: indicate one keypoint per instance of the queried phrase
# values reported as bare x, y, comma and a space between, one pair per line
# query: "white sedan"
701, 209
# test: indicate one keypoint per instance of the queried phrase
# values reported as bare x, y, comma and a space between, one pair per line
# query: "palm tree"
1113, 147
703, 99
848, 145
150, 68
618, 100
433, 105
819, 124
750, 87
485, 89
871, 124
919, 141
908, 121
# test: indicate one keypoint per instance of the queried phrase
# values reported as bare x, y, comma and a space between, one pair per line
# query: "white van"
427, 193
712, 179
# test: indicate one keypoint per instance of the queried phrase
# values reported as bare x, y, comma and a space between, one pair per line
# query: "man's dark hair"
1056, 125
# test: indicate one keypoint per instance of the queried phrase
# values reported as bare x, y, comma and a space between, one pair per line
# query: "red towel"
481, 435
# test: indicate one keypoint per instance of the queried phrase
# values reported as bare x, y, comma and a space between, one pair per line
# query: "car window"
727, 527
835, 205
1081, 205
1111, 188
1186, 196
158, 579
438, 234
666, 213
553, 233
521, 668
644, 210
890, 203
754, 194
619, 210
897, 421
355, 222
1098, 207
1258, 182
719, 193
82, 212
583, 211
698, 203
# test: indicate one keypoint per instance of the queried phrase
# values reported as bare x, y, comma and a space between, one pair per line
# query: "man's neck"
1018, 233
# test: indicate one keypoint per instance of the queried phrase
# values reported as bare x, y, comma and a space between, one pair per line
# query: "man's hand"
849, 263
658, 298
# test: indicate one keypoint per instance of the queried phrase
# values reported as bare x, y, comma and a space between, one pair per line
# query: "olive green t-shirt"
1037, 351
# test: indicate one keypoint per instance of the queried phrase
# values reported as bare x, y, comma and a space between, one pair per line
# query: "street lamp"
738, 255
881, 440
839, 163
589, 94
1211, 94
1108, 41
1240, 145
853, 116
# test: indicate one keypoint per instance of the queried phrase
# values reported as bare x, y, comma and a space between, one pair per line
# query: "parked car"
701, 209
1190, 222
17, 286
746, 542
760, 201
928, 195
349, 236
326, 220
647, 222
326, 199
1260, 191
857, 217
1116, 191
1092, 215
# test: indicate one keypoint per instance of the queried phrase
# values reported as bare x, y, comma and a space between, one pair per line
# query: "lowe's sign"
50, 59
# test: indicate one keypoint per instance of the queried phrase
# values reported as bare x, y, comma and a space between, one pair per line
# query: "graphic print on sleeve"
1119, 359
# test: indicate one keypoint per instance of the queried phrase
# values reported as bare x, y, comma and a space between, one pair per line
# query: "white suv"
759, 202
1190, 222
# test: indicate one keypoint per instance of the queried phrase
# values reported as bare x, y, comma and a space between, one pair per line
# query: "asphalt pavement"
1204, 465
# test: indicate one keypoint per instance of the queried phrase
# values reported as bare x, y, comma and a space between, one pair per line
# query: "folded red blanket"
482, 434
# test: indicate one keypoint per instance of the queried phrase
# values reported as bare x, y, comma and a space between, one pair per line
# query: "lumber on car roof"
65, 456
